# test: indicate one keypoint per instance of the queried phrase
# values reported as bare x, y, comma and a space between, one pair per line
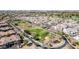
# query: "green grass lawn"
39, 33
22, 23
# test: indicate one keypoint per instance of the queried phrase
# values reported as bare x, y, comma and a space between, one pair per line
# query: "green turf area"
19, 22
39, 33
22, 23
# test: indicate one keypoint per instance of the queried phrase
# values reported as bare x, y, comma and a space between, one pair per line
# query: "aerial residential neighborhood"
39, 29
